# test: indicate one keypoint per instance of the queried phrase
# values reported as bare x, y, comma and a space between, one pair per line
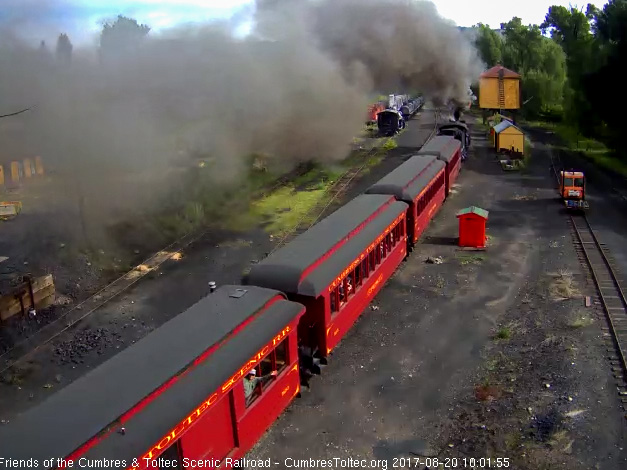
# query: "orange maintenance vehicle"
573, 189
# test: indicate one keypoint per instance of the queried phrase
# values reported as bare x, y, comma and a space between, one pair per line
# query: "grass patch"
465, 259
389, 144
592, 149
605, 160
286, 209
492, 364
504, 333
374, 160
580, 321
562, 286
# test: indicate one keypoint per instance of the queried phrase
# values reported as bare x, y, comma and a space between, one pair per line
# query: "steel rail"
611, 318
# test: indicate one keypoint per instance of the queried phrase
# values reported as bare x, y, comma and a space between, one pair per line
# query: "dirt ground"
219, 256
486, 355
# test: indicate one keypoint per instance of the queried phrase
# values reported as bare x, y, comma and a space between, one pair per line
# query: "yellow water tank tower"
499, 88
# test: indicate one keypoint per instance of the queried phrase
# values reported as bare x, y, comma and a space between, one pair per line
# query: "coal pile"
85, 342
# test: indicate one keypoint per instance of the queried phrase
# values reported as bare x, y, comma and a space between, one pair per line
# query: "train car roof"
441, 146
457, 125
408, 180
309, 263
93, 403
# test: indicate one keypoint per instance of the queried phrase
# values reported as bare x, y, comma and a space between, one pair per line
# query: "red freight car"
420, 182
338, 266
447, 149
178, 393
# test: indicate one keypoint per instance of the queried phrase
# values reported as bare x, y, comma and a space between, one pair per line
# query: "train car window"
257, 390
171, 458
277, 360
364, 268
334, 302
280, 353
266, 365
357, 275
373, 261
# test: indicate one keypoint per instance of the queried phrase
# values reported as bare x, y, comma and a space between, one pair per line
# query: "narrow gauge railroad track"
599, 264
611, 294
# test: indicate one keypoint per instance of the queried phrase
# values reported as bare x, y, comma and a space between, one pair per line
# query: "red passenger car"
447, 149
178, 393
420, 182
338, 266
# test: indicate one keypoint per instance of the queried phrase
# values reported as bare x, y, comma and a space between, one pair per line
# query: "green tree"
544, 85
121, 36
572, 30
64, 49
605, 87
522, 46
489, 44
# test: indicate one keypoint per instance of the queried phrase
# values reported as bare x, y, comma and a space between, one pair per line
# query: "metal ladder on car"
501, 91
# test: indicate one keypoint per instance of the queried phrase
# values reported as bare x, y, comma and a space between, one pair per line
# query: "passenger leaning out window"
251, 382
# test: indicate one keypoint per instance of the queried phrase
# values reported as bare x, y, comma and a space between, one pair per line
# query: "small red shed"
472, 222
